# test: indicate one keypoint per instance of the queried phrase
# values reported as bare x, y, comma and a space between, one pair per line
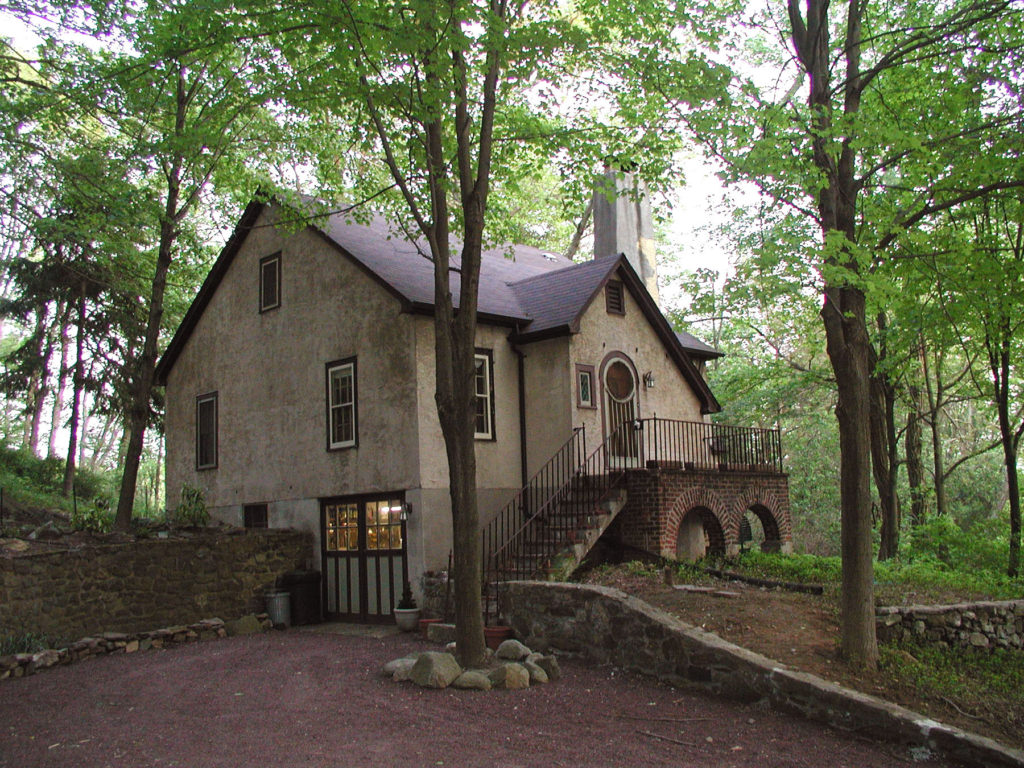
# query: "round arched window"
619, 381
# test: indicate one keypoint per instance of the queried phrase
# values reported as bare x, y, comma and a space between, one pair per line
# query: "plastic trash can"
304, 587
278, 608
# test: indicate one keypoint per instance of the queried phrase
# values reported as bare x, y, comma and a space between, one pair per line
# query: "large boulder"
473, 679
510, 676
512, 650
435, 670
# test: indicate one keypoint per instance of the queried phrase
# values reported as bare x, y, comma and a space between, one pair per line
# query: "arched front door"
620, 412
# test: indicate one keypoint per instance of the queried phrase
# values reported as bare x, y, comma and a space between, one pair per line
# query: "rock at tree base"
473, 679
435, 670
537, 673
394, 665
550, 666
510, 676
512, 650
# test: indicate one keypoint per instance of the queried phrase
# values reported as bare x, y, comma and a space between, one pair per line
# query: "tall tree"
875, 151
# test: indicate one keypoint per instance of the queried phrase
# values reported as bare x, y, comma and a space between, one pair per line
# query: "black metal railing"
699, 445
529, 549
541, 520
544, 487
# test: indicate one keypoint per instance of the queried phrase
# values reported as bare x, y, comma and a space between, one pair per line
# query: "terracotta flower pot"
495, 636
425, 625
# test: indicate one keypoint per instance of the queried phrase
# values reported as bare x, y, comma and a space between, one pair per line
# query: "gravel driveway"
302, 698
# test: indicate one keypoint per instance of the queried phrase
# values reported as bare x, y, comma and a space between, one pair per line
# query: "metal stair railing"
525, 551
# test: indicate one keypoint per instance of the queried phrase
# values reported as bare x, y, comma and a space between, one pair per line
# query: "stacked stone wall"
659, 499
134, 586
606, 626
982, 626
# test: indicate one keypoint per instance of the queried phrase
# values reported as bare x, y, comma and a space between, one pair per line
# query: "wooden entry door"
364, 556
621, 411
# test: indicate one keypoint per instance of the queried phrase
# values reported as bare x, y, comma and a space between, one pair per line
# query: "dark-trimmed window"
615, 298
341, 404
206, 431
270, 282
255, 516
585, 386
483, 428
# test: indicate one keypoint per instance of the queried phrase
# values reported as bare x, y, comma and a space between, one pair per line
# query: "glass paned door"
363, 552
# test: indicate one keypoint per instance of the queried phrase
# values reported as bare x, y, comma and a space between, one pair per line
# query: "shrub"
98, 518
192, 509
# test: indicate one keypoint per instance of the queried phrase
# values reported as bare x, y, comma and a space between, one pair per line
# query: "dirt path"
310, 699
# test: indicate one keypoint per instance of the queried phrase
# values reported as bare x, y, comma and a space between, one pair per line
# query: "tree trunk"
1000, 363
62, 378
883, 449
849, 350
76, 397
142, 381
915, 466
38, 385
934, 398
843, 313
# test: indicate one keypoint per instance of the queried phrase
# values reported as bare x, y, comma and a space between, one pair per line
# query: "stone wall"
983, 626
134, 586
659, 499
606, 626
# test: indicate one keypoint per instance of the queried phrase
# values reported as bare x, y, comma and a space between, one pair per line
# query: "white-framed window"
270, 282
206, 431
483, 428
585, 386
341, 404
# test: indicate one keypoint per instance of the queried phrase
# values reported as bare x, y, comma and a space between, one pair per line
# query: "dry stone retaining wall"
982, 626
132, 586
607, 626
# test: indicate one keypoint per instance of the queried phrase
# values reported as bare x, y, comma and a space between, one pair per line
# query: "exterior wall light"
649, 380
406, 511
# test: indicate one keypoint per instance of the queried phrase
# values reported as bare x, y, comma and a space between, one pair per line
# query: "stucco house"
300, 393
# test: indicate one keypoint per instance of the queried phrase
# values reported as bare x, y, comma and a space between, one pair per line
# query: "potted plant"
407, 615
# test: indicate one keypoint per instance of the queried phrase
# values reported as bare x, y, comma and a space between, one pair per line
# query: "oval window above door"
619, 381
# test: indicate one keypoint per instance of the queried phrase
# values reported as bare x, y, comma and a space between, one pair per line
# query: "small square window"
270, 282
585, 386
615, 300
255, 515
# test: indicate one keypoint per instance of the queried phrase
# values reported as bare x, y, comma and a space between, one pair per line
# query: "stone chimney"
624, 225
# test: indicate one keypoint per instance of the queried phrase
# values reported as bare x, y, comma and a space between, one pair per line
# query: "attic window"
615, 300
270, 282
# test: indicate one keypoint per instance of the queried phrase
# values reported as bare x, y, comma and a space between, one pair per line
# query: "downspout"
520, 367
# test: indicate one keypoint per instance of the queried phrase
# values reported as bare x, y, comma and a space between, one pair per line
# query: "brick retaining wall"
134, 586
659, 499
607, 626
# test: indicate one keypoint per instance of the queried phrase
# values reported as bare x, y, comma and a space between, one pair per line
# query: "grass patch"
26, 642
994, 681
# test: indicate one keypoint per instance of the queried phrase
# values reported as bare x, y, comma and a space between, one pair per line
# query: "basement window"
255, 516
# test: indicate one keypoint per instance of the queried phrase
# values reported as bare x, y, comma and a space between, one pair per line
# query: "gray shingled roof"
540, 293
396, 261
696, 347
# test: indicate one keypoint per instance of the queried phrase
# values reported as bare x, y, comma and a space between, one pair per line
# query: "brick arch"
714, 514
773, 515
